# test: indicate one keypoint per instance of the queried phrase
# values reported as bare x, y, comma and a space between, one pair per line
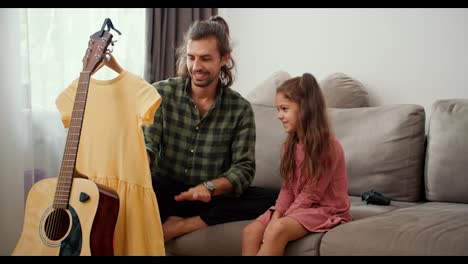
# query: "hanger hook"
108, 23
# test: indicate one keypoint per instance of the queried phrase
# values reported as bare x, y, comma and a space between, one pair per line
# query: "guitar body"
85, 228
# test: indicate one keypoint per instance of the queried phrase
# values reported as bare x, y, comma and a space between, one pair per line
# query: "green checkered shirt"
191, 149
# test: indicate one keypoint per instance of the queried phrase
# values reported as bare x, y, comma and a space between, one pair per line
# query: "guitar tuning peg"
110, 49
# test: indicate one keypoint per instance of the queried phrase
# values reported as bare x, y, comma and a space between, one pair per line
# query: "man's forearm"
223, 185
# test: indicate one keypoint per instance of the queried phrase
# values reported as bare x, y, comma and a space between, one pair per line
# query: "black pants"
221, 209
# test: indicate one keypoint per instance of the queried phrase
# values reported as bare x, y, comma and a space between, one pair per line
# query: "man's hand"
197, 193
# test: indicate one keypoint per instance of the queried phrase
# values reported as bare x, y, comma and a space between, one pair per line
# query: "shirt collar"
220, 91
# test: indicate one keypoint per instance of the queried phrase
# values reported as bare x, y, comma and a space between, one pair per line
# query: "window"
55, 41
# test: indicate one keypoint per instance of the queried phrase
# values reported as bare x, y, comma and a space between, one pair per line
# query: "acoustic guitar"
71, 215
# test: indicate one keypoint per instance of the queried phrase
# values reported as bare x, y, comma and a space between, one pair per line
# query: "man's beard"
203, 83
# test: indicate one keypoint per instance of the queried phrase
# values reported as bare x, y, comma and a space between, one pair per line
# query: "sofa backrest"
384, 146
270, 137
446, 172
270, 134
384, 149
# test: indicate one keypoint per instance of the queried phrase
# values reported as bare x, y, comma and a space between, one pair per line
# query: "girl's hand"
276, 215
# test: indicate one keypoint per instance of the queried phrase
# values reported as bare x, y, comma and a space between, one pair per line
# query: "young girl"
314, 191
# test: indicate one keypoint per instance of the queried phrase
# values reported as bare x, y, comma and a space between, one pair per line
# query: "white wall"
12, 125
402, 55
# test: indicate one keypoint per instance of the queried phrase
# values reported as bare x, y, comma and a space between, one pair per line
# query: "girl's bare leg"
278, 234
252, 237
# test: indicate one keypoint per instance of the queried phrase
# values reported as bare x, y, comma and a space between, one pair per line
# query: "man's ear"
225, 58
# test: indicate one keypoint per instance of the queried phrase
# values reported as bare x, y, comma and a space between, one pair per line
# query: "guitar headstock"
97, 47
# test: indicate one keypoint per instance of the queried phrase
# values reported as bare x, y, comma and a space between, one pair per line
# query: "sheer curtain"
12, 122
51, 43
54, 44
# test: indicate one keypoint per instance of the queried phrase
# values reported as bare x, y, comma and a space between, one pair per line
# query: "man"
202, 143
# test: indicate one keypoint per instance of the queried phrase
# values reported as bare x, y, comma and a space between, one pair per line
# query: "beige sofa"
388, 149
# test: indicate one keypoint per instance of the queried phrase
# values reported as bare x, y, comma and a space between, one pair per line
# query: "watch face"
210, 185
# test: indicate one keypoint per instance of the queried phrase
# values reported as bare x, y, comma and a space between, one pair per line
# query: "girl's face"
288, 113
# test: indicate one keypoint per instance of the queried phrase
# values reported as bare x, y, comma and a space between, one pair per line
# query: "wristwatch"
210, 186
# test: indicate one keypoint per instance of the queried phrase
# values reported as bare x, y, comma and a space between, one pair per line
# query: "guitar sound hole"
57, 224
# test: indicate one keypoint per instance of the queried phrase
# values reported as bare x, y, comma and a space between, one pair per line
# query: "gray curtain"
165, 32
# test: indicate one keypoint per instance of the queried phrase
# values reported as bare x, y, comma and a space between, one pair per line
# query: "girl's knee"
275, 230
251, 228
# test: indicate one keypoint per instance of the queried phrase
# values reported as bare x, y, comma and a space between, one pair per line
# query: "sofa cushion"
427, 229
305, 246
360, 209
446, 175
217, 240
264, 93
270, 136
226, 240
342, 91
269, 132
384, 149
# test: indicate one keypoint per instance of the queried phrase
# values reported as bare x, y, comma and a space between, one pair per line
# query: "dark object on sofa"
374, 197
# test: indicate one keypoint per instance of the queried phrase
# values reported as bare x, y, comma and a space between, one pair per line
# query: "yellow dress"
112, 152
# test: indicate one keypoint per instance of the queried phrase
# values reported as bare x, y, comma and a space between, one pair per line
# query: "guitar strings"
56, 226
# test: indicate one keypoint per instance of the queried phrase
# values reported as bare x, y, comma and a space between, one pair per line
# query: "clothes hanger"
110, 62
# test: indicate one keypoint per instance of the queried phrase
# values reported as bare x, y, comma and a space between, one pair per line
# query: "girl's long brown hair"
313, 125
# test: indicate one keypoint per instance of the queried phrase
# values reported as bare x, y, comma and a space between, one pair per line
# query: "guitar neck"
62, 193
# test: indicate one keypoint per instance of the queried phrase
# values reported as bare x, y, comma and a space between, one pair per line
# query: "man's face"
204, 62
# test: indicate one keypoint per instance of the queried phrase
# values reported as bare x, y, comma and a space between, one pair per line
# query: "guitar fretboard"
62, 192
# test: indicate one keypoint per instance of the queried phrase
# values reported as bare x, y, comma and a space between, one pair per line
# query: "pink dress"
318, 208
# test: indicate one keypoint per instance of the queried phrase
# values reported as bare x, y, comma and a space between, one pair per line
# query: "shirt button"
191, 150
185, 170
196, 128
